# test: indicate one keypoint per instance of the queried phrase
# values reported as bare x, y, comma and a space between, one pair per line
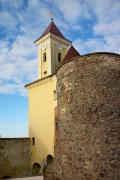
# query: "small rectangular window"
44, 57
33, 141
55, 95
59, 57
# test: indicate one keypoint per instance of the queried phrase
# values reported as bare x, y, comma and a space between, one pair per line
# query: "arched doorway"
36, 168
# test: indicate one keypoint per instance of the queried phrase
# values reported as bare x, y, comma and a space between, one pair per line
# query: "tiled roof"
52, 28
72, 52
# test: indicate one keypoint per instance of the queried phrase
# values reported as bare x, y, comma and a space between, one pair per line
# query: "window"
55, 95
44, 57
45, 72
33, 141
59, 57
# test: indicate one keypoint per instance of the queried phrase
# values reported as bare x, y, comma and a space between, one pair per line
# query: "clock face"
44, 47
59, 46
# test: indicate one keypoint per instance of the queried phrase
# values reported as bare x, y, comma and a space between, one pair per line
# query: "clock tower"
52, 48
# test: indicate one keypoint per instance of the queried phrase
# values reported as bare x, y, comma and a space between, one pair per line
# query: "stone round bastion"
87, 132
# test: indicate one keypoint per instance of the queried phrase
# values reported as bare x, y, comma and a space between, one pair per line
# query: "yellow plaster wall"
41, 118
41, 97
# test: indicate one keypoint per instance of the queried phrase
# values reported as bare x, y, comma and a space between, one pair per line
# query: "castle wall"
15, 158
87, 143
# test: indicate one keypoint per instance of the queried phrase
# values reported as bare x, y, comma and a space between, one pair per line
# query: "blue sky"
92, 25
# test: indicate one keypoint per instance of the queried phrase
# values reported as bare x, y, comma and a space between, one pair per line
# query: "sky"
92, 25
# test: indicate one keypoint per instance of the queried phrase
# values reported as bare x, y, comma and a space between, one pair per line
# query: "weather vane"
51, 15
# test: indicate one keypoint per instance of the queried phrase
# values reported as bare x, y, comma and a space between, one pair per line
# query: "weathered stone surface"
87, 143
48, 168
15, 158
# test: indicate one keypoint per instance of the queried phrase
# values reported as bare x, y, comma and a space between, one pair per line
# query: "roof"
72, 52
71, 58
52, 28
38, 80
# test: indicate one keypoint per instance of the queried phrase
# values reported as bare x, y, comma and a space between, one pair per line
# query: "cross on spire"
51, 15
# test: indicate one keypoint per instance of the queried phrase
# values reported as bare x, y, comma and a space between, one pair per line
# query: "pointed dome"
72, 52
52, 28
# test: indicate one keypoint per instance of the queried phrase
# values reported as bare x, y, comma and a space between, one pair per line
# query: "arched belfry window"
59, 57
44, 57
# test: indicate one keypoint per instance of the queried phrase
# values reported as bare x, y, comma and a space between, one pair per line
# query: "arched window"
44, 57
59, 56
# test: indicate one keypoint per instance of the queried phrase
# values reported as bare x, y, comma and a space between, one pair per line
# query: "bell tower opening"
44, 57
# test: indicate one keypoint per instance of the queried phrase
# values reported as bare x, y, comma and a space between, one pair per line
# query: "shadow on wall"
6, 177
48, 168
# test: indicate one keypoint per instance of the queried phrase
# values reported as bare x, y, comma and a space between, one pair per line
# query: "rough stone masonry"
15, 157
87, 144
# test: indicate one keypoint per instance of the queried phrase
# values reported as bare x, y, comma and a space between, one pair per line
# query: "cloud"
8, 20
93, 25
7, 4
18, 58
73, 10
112, 27
105, 29
18, 65
107, 16
104, 11
113, 42
108, 44
68, 7
90, 45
